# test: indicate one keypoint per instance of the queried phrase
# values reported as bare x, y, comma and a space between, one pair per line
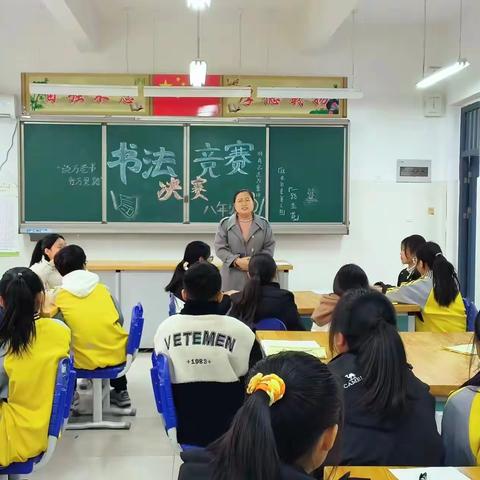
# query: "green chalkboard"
145, 173
62, 172
307, 166
224, 159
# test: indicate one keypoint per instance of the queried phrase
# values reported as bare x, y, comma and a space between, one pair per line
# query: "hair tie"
19, 274
185, 266
437, 254
271, 384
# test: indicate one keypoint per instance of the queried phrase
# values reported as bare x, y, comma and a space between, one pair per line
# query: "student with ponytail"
284, 430
42, 260
460, 422
389, 412
262, 297
30, 349
437, 292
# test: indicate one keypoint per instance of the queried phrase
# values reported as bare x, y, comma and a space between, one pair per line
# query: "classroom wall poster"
185, 107
83, 104
284, 107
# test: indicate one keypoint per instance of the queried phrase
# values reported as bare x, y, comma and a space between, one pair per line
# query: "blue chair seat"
107, 372
22, 468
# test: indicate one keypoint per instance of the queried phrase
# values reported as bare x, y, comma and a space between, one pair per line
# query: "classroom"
238, 239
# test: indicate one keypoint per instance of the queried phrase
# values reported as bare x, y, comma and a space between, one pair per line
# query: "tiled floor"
143, 452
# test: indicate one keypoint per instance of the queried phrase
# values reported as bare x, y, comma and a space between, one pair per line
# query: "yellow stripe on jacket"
25, 417
98, 339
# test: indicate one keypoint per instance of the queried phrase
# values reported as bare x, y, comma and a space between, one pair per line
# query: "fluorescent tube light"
87, 90
198, 73
443, 73
198, 4
189, 92
300, 92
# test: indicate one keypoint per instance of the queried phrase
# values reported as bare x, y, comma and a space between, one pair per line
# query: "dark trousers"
119, 383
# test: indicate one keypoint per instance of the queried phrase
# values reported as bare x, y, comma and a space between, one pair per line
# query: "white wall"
386, 125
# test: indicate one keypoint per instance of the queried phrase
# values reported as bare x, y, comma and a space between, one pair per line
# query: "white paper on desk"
271, 347
8, 224
468, 349
433, 473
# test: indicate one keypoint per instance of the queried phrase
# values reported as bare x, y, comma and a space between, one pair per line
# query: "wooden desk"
382, 473
442, 370
307, 301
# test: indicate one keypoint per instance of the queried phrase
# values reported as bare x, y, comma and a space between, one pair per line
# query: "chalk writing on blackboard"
80, 174
238, 156
312, 196
198, 188
208, 159
282, 210
127, 159
221, 209
168, 189
294, 216
126, 204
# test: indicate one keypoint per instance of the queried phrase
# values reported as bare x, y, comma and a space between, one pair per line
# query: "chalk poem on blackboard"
198, 188
127, 158
258, 186
208, 159
168, 189
77, 168
282, 173
127, 205
312, 196
281, 170
80, 174
238, 156
294, 216
84, 181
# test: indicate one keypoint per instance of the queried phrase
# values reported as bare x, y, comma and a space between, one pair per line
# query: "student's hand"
242, 263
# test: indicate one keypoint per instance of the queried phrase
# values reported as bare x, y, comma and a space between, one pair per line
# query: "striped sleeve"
416, 292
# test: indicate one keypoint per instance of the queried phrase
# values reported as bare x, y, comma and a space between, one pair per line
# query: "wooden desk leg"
283, 278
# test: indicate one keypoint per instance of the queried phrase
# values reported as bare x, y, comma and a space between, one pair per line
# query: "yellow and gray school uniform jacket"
435, 317
209, 356
98, 338
27, 383
461, 427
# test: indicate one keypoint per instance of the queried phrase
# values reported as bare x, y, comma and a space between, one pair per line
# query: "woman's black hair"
475, 380
261, 270
445, 281
69, 259
202, 282
261, 437
412, 244
193, 252
244, 190
349, 277
46, 242
367, 320
19, 289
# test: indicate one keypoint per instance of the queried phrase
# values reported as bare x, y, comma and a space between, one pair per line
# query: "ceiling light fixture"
198, 4
198, 68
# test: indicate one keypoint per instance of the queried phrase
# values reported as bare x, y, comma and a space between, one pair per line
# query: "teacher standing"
239, 237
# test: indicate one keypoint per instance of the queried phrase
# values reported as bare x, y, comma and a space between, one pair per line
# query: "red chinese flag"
186, 107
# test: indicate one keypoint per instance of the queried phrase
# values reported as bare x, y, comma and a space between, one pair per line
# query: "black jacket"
197, 466
368, 439
405, 276
275, 303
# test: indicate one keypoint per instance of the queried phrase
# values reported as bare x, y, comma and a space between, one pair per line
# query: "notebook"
468, 349
271, 347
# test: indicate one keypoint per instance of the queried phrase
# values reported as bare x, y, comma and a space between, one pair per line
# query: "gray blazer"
229, 245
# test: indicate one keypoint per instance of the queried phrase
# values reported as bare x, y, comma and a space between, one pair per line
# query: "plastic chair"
62, 397
162, 390
101, 386
175, 305
270, 324
472, 312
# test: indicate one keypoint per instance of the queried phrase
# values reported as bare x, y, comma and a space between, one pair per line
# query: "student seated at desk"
284, 430
389, 412
461, 419
209, 356
262, 297
196, 251
349, 277
437, 293
30, 350
87, 307
42, 262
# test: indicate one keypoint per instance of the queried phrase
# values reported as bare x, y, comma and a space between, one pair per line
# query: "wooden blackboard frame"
32, 227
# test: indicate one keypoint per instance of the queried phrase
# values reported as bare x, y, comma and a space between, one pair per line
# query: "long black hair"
475, 380
260, 437
445, 281
261, 270
367, 320
19, 288
349, 277
46, 242
194, 251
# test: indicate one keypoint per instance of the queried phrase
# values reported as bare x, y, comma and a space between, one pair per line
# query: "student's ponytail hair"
445, 281
260, 437
19, 289
193, 252
261, 270
46, 242
367, 319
